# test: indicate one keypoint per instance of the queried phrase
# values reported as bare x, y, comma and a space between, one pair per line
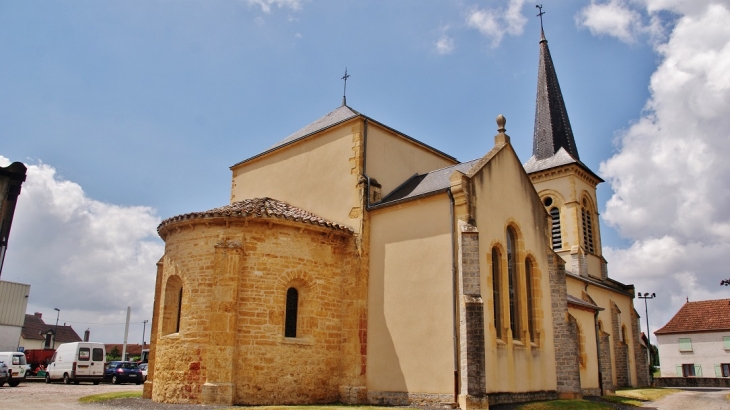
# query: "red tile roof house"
694, 346
35, 331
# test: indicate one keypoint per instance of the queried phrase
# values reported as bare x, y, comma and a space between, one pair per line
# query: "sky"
130, 112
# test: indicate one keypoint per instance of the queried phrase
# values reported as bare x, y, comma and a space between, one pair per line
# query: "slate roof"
582, 303
552, 126
562, 157
258, 208
424, 184
331, 119
34, 328
702, 316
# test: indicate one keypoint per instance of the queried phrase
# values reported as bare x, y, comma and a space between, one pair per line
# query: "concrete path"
700, 399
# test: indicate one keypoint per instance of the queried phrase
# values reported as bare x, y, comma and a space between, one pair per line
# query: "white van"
16, 366
77, 361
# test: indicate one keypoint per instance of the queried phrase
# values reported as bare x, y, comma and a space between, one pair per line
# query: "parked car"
4, 374
16, 366
143, 369
119, 372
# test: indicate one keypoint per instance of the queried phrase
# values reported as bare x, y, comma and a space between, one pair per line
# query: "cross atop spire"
344, 91
552, 126
542, 32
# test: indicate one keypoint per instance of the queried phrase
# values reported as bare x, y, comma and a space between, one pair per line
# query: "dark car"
123, 372
4, 374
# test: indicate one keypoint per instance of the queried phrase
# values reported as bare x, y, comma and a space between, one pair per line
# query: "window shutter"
718, 371
698, 370
685, 344
726, 341
679, 370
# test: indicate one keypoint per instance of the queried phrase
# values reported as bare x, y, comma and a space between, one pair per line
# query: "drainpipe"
454, 289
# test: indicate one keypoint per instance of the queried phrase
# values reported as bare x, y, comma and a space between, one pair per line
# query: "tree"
114, 354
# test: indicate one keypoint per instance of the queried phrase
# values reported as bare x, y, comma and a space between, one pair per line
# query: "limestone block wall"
229, 347
567, 368
640, 355
605, 357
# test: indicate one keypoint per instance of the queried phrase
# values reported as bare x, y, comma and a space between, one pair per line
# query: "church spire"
552, 126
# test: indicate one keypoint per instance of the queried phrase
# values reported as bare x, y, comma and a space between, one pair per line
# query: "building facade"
696, 341
357, 264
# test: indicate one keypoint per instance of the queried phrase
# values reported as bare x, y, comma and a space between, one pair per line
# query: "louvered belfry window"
587, 229
555, 230
292, 305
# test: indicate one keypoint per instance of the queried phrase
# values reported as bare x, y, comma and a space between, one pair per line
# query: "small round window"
547, 201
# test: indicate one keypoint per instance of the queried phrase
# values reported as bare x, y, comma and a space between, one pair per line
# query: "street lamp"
646, 296
55, 331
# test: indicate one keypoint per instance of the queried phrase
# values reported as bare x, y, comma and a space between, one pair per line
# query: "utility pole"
126, 333
144, 327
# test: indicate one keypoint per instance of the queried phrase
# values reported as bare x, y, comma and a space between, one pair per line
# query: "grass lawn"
315, 407
110, 396
566, 404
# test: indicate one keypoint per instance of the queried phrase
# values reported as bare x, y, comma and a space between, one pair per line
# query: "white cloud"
444, 44
614, 18
266, 5
671, 190
495, 23
88, 258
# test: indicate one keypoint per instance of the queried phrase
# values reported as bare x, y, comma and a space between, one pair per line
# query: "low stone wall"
392, 398
505, 398
691, 382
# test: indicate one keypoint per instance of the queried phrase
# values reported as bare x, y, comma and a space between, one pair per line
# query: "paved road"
691, 400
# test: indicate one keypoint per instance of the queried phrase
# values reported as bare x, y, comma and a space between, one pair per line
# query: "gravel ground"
39, 395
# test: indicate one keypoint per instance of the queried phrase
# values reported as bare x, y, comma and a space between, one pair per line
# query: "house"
36, 334
696, 341
133, 350
357, 264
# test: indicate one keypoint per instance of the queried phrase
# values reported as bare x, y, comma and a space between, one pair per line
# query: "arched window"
514, 303
587, 227
292, 305
172, 307
530, 300
557, 238
496, 283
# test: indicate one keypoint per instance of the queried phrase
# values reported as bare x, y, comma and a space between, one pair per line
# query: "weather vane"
539, 6
344, 91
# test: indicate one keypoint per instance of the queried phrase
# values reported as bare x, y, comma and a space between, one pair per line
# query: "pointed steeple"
552, 126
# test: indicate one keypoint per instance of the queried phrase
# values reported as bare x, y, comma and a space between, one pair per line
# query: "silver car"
4, 374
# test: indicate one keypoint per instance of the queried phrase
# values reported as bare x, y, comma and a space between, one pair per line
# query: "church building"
356, 264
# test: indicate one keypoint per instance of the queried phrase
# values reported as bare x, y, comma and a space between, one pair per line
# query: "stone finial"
501, 121
501, 138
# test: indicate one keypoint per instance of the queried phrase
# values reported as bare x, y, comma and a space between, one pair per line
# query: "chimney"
39, 315
87, 332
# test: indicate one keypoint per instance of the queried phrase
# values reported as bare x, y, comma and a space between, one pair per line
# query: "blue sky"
129, 112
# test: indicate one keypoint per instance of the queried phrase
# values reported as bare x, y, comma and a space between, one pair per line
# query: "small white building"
13, 302
696, 341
